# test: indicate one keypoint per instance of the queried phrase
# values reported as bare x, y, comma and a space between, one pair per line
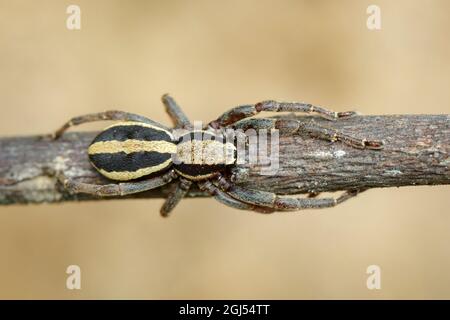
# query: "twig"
416, 152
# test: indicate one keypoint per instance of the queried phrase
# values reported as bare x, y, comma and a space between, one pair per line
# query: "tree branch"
416, 152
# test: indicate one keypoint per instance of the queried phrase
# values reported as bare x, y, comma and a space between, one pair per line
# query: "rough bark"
416, 152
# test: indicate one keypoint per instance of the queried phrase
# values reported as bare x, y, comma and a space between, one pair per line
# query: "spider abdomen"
201, 155
131, 150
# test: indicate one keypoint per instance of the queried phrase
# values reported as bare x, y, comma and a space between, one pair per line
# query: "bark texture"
416, 152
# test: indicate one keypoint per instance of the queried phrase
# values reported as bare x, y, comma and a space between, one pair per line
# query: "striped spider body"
202, 155
138, 154
131, 150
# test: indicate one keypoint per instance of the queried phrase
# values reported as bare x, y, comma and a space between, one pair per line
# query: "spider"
136, 153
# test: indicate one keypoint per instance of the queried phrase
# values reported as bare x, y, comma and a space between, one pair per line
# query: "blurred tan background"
212, 55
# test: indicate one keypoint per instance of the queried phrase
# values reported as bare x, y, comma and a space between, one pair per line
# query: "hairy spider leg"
246, 111
116, 189
114, 115
180, 121
228, 200
174, 197
278, 202
293, 126
179, 118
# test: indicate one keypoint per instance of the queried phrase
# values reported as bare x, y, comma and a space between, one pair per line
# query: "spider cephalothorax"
141, 154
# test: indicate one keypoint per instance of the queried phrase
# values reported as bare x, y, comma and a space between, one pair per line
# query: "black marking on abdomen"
132, 132
120, 161
198, 171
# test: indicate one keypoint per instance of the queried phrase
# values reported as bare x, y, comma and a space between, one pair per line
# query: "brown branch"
416, 152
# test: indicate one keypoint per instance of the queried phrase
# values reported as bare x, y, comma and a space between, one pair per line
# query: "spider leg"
115, 189
292, 126
313, 194
174, 197
278, 202
287, 203
246, 111
103, 116
179, 118
227, 200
